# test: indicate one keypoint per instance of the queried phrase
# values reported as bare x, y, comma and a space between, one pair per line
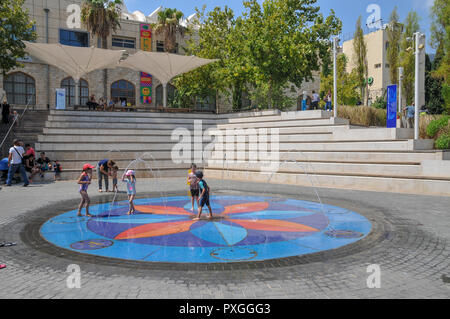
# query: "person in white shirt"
315, 100
15, 163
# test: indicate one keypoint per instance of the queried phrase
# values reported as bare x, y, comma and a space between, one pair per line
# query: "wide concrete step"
103, 119
105, 146
122, 164
381, 184
284, 116
379, 146
347, 169
74, 174
286, 123
106, 125
114, 154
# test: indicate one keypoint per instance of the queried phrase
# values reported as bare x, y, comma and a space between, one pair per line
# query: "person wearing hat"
84, 180
131, 188
204, 195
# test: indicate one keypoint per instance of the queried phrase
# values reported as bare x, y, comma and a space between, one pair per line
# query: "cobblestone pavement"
410, 243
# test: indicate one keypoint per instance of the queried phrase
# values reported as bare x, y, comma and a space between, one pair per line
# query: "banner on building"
60, 99
391, 107
145, 78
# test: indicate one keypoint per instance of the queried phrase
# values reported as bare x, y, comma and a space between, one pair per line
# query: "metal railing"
14, 122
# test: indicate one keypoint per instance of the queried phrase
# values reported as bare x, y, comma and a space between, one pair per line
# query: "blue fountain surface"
243, 229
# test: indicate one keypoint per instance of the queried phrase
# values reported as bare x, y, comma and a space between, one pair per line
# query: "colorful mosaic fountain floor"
243, 229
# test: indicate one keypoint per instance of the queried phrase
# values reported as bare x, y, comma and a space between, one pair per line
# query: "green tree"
407, 57
283, 42
15, 27
394, 33
433, 89
101, 17
347, 85
440, 39
360, 60
169, 24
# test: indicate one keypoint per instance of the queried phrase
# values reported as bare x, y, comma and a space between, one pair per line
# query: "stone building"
378, 67
59, 21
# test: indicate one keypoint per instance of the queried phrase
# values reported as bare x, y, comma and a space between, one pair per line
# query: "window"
123, 90
129, 43
20, 88
83, 91
160, 94
377, 66
387, 45
74, 38
206, 105
159, 46
387, 65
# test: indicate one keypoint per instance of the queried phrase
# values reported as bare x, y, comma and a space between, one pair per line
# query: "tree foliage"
15, 27
360, 60
260, 52
169, 24
407, 57
101, 17
347, 86
394, 33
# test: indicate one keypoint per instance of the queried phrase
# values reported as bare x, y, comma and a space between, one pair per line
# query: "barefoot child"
114, 178
131, 189
204, 195
193, 185
84, 180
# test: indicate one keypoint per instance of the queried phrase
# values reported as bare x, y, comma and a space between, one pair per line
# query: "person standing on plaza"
328, 101
315, 100
131, 189
410, 112
84, 181
6, 110
104, 170
15, 162
204, 196
193, 185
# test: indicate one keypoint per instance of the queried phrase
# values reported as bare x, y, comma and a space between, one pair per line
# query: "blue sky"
347, 10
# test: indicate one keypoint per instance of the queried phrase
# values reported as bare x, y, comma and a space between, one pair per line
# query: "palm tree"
101, 17
169, 25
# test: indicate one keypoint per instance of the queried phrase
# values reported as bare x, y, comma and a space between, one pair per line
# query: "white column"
335, 106
416, 93
165, 95
77, 82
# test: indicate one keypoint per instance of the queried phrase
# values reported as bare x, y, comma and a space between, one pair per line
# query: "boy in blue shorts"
204, 195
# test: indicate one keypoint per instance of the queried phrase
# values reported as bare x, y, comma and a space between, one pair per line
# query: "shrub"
436, 125
363, 115
443, 142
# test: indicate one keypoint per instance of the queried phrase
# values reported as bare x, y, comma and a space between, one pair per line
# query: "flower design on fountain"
244, 228
238, 224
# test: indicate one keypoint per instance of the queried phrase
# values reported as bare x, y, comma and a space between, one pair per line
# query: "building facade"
59, 21
378, 67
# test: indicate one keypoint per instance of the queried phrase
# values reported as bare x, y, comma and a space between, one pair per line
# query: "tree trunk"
105, 72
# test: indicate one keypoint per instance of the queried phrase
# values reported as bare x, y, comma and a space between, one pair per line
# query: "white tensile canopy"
164, 66
75, 61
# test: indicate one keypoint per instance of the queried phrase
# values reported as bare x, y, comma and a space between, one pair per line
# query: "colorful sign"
145, 78
391, 106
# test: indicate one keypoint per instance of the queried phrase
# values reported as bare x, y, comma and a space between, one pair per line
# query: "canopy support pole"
76, 103
165, 95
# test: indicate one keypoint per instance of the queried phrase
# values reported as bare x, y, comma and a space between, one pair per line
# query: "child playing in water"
131, 189
84, 180
114, 178
204, 195
193, 185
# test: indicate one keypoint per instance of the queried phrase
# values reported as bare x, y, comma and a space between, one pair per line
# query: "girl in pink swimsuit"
84, 180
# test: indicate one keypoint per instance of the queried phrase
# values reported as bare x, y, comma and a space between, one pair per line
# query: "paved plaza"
408, 240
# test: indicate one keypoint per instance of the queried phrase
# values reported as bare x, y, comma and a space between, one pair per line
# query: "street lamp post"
335, 49
417, 36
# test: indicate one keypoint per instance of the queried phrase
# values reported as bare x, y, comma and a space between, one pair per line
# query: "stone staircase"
312, 143
334, 154
28, 130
